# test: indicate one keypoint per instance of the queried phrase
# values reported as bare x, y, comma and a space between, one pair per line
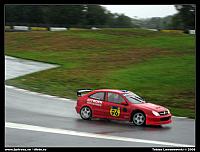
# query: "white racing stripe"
91, 135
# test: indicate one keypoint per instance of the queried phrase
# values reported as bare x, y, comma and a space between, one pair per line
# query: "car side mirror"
124, 103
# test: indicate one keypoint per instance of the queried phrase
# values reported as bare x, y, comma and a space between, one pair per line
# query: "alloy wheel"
86, 113
139, 119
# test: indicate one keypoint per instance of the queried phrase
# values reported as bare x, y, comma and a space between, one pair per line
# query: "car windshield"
132, 97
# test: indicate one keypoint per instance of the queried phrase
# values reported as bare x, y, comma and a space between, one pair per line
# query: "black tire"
139, 119
86, 113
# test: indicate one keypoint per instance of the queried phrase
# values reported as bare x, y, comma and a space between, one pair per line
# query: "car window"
113, 97
129, 93
98, 96
134, 100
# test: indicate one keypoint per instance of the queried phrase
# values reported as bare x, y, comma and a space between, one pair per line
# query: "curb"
40, 94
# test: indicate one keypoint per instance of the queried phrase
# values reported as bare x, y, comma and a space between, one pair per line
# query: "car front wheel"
139, 119
86, 113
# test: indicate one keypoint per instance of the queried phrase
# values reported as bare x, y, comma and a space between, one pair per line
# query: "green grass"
158, 66
165, 80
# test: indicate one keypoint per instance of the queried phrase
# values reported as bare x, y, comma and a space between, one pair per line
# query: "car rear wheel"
86, 113
139, 119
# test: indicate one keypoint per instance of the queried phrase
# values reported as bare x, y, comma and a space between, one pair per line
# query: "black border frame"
101, 2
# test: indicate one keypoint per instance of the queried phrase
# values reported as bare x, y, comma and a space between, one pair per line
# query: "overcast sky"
142, 11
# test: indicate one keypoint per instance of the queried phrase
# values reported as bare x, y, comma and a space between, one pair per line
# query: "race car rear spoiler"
79, 92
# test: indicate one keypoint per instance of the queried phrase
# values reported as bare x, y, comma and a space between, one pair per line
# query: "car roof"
119, 91
111, 90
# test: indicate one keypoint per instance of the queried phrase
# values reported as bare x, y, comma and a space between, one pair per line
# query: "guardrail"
172, 31
152, 29
21, 28
57, 29
192, 32
26, 28
38, 28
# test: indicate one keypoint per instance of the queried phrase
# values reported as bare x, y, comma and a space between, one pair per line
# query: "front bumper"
158, 120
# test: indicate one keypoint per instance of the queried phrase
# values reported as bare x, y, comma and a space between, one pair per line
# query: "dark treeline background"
66, 15
87, 16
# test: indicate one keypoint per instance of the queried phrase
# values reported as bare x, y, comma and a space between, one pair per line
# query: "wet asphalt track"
53, 113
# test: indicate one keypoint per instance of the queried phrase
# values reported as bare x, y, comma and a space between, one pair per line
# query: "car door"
113, 107
96, 101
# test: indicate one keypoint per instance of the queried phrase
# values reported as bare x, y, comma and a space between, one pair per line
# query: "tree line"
87, 16
65, 15
184, 19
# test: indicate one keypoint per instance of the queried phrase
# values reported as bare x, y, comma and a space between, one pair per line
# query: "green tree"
67, 15
95, 15
124, 21
185, 18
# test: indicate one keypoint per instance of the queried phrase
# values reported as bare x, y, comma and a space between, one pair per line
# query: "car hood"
150, 106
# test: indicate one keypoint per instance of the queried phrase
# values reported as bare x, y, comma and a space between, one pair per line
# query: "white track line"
91, 135
181, 117
39, 94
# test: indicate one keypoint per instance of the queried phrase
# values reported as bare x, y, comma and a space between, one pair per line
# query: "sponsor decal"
94, 102
115, 111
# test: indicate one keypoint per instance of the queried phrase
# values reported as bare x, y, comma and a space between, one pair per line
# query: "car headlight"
168, 111
155, 113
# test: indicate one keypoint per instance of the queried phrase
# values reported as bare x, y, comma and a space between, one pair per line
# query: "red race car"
120, 105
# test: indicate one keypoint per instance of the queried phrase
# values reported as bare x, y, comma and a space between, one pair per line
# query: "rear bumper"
77, 109
158, 120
